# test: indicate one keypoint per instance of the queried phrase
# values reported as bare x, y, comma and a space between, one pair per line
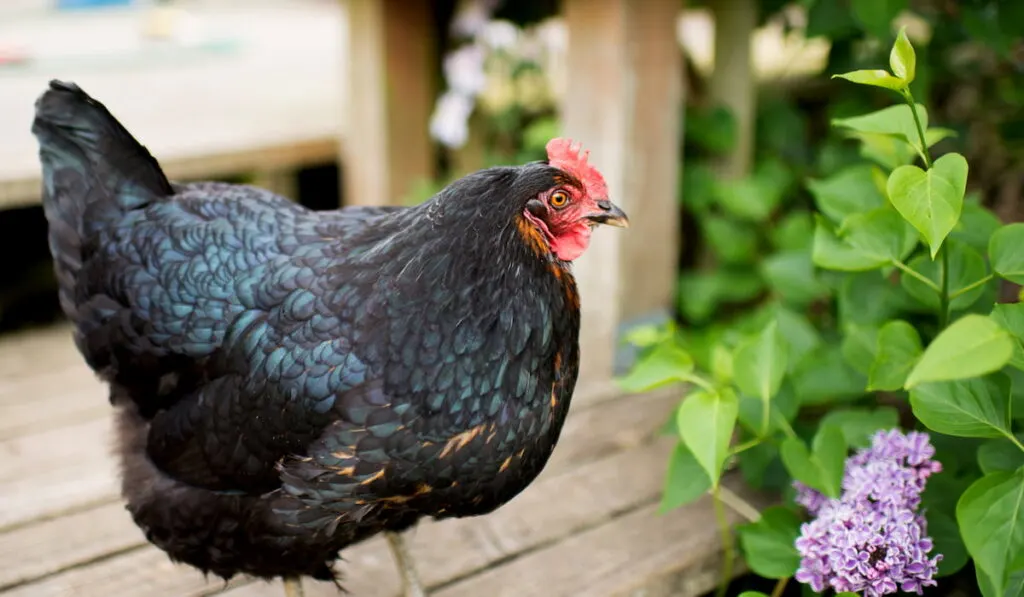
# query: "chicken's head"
567, 213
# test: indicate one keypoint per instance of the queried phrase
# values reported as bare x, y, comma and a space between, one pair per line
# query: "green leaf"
877, 15
859, 346
685, 479
665, 364
1006, 251
902, 59
899, 348
829, 451
880, 234
822, 466
874, 78
831, 253
859, 424
782, 409
947, 541
846, 192
966, 267
753, 594
701, 292
830, 19
971, 346
868, 298
791, 275
732, 241
797, 459
889, 151
760, 364
991, 518
1014, 587
976, 226
706, 422
931, 201
747, 198
894, 120
824, 377
756, 462
1011, 317
1000, 455
976, 407
721, 364
768, 544
794, 231
799, 332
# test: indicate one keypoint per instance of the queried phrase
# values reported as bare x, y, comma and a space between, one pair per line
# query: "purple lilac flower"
872, 540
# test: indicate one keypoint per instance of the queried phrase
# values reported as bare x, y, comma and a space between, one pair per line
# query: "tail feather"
93, 172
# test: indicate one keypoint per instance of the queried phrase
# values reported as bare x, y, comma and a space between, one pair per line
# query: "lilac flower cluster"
872, 541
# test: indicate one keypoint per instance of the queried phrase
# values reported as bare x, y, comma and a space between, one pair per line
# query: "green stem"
1015, 441
750, 443
699, 381
738, 504
726, 532
971, 286
787, 428
780, 587
944, 293
920, 129
912, 272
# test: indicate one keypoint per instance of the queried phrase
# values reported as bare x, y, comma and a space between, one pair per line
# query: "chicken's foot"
293, 587
411, 584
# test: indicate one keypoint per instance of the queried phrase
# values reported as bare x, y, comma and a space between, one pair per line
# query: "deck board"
273, 102
64, 530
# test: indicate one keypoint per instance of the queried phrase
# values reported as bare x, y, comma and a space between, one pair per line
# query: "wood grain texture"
390, 95
65, 530
624, 59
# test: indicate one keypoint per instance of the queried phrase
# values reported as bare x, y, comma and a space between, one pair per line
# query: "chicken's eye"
559, 199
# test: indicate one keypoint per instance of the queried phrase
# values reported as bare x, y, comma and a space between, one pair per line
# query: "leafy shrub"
887, 317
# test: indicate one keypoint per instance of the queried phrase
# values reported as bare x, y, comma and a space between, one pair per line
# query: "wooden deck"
588, 526
261, 91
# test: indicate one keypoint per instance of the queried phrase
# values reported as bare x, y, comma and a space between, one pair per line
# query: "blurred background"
332, 102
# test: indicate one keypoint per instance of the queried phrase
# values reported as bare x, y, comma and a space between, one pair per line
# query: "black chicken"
291, 382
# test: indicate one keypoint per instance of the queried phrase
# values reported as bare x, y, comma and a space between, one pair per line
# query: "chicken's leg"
411, 585
293, 587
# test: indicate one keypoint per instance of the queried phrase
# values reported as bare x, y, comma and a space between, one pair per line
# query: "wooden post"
623, 102
390, 84
733, 84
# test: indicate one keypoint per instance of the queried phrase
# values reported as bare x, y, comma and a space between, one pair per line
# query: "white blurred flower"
472, 16
449, 124
464, 69
500, 35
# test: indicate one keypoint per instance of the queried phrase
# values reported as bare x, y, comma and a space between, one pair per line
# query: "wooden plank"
144, 571
34, 551
37, 351
624, 58
391, 89
553, 507
48, 473
613, 559
271, 103
69, 468
36, 404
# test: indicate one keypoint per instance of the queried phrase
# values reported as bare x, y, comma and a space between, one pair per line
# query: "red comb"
566, 155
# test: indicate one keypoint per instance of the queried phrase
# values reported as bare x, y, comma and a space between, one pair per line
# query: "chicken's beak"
609, 214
